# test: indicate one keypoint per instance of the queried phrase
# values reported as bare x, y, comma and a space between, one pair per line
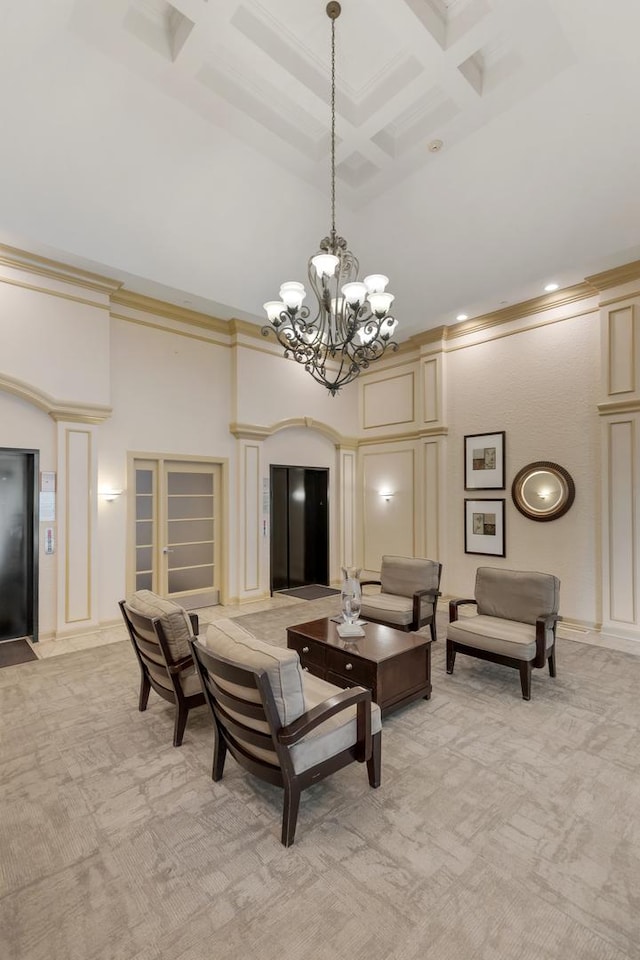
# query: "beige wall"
541, 387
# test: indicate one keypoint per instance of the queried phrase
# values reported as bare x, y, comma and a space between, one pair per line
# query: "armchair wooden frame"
230, 732
524, 667
416, 622
141, 630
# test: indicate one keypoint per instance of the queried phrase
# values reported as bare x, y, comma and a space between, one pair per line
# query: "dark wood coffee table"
394, 665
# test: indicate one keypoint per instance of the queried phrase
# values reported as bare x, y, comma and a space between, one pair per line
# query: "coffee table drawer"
311, 654
351, 669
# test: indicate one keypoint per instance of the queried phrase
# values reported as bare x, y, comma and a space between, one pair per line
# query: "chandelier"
352, 326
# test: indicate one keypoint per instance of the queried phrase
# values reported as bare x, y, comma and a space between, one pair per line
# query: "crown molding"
161, 308
615, 277
243, 327
55, 270
549, 301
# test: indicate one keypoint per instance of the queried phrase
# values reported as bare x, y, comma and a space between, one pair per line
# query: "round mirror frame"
561, 505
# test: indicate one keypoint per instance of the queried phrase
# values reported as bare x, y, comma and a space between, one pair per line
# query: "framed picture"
484, 461
484, 527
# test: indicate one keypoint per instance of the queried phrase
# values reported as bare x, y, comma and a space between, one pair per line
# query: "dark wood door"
18, 544
299, 526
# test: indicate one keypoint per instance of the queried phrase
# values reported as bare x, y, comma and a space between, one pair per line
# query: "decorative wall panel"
78, 525
622, 529
389, 525
622, 351
388, 401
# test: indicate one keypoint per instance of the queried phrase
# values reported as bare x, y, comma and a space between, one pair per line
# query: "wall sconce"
110, 495
386, 495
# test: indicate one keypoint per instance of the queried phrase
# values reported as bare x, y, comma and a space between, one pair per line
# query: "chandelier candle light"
352, 326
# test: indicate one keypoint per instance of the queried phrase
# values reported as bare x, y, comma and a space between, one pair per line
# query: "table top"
379, 642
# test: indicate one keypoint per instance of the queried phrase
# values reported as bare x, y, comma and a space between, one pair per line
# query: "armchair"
159, 631
281, 724
515, 624
409, 591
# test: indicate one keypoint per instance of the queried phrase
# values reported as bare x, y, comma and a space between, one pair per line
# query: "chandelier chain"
333, 129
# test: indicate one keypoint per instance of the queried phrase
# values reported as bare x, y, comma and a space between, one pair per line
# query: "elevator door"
299, 527
18, 544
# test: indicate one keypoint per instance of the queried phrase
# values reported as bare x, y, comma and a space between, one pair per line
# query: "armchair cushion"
394, 610
175, 621
509, 638
282, 666
333, 736
404, 576
516, 595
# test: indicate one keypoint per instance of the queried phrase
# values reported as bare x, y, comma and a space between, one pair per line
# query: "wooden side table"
394, 665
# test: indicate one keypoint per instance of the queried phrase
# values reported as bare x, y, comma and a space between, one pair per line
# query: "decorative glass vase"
351, 594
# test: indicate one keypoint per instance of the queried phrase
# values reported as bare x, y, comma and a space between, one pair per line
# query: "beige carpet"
503, 830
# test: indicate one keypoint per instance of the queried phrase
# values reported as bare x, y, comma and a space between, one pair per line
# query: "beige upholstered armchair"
409, 591
515, 624
160, 631
282, 724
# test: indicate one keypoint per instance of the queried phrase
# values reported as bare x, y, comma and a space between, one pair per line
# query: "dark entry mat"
15, 651
313, 591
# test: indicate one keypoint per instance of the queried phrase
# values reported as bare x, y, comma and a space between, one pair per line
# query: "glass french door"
178, 515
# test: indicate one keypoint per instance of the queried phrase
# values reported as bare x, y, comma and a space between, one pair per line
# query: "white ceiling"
182, 145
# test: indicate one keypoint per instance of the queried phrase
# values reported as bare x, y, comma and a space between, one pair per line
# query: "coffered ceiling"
485, 147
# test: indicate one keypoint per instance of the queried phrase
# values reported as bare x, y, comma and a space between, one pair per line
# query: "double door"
177, 529
299, 526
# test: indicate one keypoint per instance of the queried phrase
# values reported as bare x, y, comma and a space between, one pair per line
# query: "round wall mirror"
543, 490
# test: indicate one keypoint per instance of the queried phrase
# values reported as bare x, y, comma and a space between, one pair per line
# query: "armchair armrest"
195, 623
433, 593
179, 666
358, 696
455, 604
542, 625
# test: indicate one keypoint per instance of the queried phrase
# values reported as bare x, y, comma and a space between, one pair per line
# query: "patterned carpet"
503, 830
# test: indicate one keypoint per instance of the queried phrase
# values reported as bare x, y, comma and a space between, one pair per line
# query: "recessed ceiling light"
550, 287
462, 316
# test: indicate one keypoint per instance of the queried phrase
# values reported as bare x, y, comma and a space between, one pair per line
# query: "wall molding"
250, 431
57, 409
613, 407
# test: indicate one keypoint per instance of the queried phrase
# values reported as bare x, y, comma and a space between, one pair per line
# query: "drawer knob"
349, 666
305, 649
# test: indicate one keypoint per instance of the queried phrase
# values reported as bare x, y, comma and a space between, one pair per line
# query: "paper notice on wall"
47, 507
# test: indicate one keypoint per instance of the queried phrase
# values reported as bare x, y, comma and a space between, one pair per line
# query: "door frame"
160, 459
33, 459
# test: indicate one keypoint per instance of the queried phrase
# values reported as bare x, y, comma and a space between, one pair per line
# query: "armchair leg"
182, 713
525, 679
451, 656
290, 813
145, 687
374, 763
219, 756
552, 662
432, 627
